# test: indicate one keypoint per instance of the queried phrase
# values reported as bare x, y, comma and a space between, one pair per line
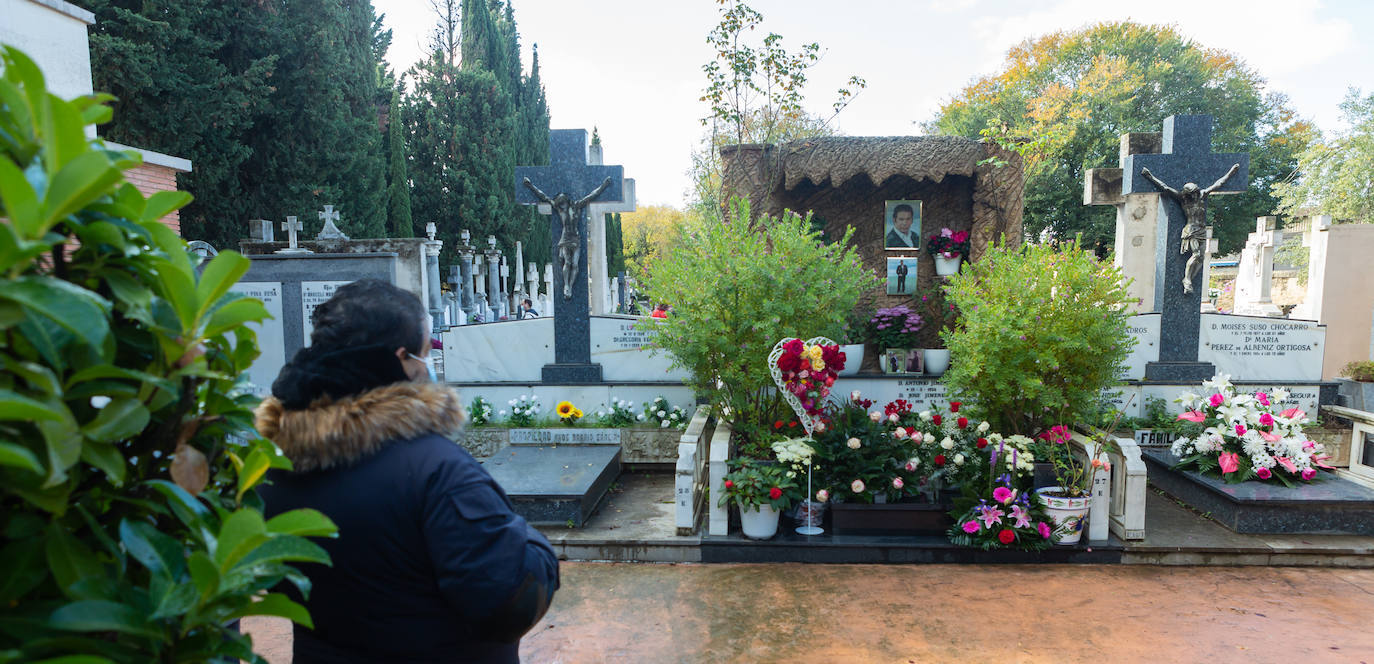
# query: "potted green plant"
1042, 331
762, 490
1069, 500
894, 330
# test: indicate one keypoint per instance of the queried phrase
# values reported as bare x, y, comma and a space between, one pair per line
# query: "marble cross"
292, 226
1186, 160
330, 232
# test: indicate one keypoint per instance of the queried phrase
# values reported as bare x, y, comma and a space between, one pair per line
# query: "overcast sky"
632, 68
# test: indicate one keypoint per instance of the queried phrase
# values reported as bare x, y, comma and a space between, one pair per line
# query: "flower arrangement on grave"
948, 244
894, 327
479, 412
859, 459
619, 414
752, 483
808, 371
665, 415
568, 413
950, 443
523, 411
1072, 475
1247, 436
1003, 517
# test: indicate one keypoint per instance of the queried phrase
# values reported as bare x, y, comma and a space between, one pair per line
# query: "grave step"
554, 485
1328, 506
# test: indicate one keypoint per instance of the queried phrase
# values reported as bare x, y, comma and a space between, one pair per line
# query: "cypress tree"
398, 185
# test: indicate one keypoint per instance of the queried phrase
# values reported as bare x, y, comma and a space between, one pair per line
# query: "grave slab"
555, 484
1330, 505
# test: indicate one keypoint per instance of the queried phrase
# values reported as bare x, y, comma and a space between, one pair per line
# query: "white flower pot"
760, 522
1068, 514
936, 360
853, 358
947, 267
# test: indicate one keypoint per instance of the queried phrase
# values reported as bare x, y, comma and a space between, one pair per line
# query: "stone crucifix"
569, 174
1186, 156
569, 245
1193, 239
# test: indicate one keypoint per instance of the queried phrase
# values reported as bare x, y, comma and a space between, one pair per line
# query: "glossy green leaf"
255, 466
303, 522
15, 406
24, 567
101, 371
241, 532
204, 574
81, 181
16, 456
107, 458
69, 559
122, 418
20, 200
159, 552
276, 604
164, 203
102, 616
234, 314
286, 548
73, 308
64, 136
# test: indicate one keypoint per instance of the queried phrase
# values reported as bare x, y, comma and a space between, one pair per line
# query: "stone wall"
150, 178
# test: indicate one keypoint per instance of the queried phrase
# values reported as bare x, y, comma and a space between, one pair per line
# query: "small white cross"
431, 230
292, 226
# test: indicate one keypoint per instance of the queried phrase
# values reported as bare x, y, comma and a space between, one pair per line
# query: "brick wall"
152, 178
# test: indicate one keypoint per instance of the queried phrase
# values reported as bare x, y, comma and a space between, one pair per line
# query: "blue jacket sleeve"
495, 570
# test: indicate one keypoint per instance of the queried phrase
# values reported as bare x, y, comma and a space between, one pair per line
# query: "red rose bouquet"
808, 372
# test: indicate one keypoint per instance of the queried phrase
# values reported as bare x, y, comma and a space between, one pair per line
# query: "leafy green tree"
754, 95
128, 458
1075, 92
398, 183
615, 245
190, 79
1336, 176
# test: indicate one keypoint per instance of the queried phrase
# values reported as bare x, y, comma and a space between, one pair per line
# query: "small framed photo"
901, 275
895, 360
914, 362
902, 225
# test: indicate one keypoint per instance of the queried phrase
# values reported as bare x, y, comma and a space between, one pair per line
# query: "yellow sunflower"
565, 408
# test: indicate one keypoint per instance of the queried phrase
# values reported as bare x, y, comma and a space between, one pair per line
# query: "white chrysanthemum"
1181, 447
1262, 460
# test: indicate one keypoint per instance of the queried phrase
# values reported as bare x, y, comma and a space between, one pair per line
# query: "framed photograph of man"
901, 275
914, 361
902, 225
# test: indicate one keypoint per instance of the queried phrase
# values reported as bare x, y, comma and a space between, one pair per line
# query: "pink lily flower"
1287, 464
1194, 416
1021, 515
991, 514
1230, 462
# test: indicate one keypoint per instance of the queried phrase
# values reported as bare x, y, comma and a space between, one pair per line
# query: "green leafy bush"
1042, 331
121, 363
737, 286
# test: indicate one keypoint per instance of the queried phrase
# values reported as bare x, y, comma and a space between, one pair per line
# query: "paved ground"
612, 612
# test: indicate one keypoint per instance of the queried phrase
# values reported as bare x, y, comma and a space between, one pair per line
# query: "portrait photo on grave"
915, 361
901, 275
902, 225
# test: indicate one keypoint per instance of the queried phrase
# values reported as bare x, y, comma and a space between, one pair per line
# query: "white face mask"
429, 366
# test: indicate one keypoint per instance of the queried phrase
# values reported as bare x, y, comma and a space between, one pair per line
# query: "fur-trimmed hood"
333, 433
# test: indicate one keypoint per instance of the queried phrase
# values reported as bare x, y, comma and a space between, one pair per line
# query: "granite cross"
1186, 160
569, 175
292, 226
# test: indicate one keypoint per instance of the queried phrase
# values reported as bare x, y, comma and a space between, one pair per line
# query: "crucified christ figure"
569, 244
1193, 201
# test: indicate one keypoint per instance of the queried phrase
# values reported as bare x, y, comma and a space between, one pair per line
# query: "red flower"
729, 484
963, 423
982, 442
960, 237
793, 347
911, 431
775, 493
1006, 536
939, 459
832, 357
954, 406
936, 419
792, 424
789, 362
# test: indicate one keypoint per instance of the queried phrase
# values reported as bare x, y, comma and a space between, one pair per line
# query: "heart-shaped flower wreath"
804, 371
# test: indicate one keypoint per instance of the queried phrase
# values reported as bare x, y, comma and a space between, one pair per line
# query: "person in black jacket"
430, 564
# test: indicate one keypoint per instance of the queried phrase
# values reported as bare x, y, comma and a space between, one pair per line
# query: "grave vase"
1068, 514
947, 267
759, 522
853, 358
936, 360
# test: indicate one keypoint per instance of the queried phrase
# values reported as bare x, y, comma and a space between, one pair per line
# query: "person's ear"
401, 354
